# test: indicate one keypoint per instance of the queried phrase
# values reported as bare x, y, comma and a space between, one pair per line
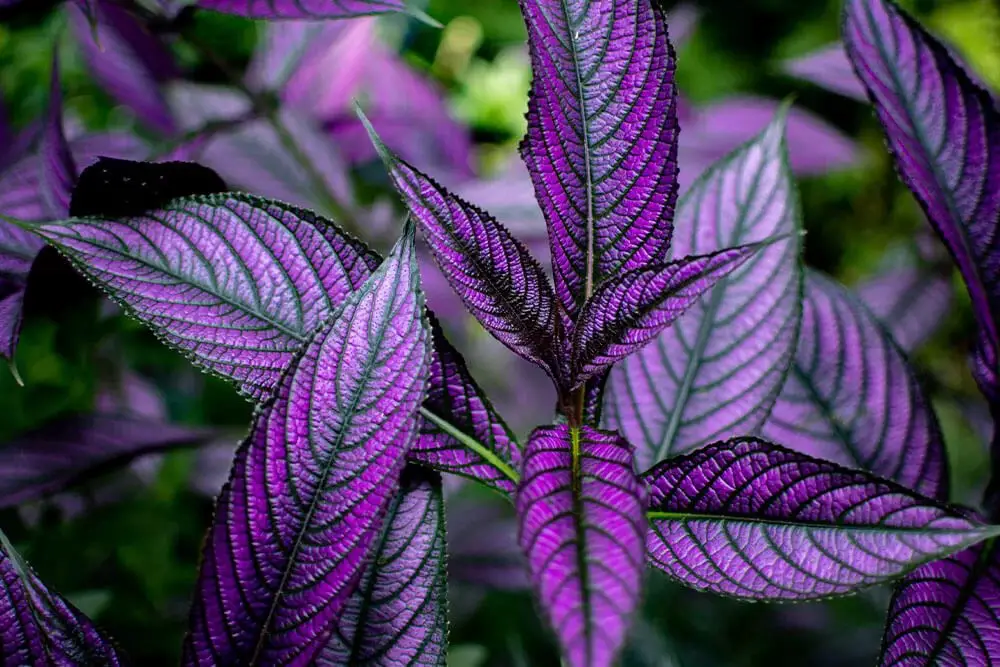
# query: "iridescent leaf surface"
70, 451
716, 371
944, 133
499, 281
399, 613
947, 613
304, 505
38, 627
753, 520
628, 311
601, 144
581, 510
851, 396
238, 284
303, 9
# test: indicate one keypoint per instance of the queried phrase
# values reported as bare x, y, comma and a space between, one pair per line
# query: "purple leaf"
256, 157
814, 146
70, 451
127, 61
852, 398
753, 520
581, 509
499, 281
58, 174
18, 249
303, 9
234, 281
910, 300
626, 312
716, 371
276, 274
601, 144
39, 627
947, 612
944, 133
472, 440
828, 68
314, 479
399, 613
482, 544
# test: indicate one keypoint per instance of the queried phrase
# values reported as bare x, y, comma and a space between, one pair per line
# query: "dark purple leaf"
399, 613
116, 188
276, 273
828, 68
601, 144
312, 482
753, 520
581, 510
73, 450
716, 372
126, 60
852, 398
912, 301
947, 613
303, 9
38, 627
627, 311
499, 281
58, 173
18, 249
944, 133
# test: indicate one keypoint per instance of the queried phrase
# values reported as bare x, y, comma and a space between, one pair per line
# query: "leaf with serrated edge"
601, 144
944, 134
716, 371
303, 9
38, 627
582, 525
238, 284
947, 613
399, 613
501, 284
753, 520
628, 311
312, 482
852, 398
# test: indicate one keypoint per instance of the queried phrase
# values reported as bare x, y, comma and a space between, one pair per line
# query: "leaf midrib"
660, 515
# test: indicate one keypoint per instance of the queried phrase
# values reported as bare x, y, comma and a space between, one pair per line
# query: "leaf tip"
12, 365
383, 151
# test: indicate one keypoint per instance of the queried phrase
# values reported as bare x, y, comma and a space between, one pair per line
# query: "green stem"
472, 445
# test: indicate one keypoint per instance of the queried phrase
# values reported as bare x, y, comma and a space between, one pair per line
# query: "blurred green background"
132, 563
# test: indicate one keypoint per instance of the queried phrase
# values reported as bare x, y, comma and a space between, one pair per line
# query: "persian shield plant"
725, 416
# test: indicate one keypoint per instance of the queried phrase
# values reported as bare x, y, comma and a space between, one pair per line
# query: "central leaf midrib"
360, 386
662, 515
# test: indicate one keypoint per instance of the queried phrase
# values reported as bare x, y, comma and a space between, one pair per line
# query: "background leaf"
311, 484
582, 525
38, 627
944, 133
852, 398
717, 370
753, 520
303, 9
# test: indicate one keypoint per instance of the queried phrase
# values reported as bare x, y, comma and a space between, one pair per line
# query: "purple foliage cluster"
743, 424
